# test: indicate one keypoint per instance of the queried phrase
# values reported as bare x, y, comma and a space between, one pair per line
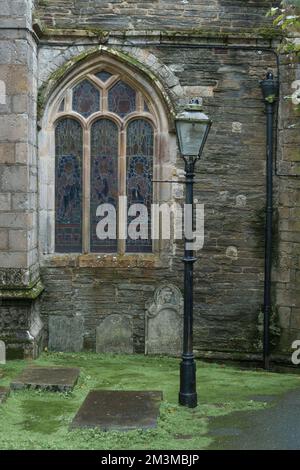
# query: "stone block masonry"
19, 269
230, 182
183, 46
215, 15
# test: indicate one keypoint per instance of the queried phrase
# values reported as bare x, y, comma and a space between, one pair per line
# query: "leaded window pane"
68, 186
86, 98
122, 99
104, 177
139, 178
103, 75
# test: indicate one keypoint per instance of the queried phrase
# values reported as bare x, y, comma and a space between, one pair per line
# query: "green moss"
268, 32
56, 76
40, 420
44, 3
31, 292
46, 89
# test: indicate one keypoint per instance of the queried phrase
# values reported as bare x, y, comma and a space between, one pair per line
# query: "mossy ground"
40, 420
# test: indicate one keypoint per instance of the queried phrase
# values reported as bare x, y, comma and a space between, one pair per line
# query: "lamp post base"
188, 394
188, 399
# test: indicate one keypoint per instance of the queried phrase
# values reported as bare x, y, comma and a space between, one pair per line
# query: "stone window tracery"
104, 148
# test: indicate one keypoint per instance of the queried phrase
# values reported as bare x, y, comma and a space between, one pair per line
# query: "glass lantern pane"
86, 98
121, 99
139, 178
68, 186
103, 75
104, 177
190, 137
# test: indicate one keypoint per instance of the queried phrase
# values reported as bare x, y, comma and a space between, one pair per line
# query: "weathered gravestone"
115, 335
65, 333
4, 393
164, 322
2, 352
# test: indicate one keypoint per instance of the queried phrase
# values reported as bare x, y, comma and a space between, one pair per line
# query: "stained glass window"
68, 186
139, 176
121, 99
103, 75
86, 98
88, 173
104, 177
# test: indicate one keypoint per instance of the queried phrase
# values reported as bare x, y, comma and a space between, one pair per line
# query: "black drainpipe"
269, 88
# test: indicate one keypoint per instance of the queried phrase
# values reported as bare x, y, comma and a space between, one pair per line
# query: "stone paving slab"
53, 379
119, 410
4, 392
273, 428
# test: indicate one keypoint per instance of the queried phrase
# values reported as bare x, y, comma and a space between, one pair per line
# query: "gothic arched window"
104, 149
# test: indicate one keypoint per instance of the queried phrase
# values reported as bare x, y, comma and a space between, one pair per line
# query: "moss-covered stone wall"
154, 14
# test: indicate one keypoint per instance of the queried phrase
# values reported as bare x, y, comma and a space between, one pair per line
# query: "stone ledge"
103, 260
255, 36
30, 293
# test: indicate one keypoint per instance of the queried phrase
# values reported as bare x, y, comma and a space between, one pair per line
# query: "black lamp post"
269, 88
192, 128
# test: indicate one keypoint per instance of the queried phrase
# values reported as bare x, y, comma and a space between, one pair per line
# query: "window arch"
105, 147
68, 185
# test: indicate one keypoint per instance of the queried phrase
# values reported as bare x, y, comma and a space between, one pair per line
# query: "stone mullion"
86, 191
156, 186
68, 101
122, 189
140, 102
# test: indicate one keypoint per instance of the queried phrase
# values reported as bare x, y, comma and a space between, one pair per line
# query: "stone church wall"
219, 51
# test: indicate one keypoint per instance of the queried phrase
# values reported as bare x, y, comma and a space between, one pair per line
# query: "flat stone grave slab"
53, 379
4, 392
111, 410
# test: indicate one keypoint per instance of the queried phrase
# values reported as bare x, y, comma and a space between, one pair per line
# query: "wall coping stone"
270, 36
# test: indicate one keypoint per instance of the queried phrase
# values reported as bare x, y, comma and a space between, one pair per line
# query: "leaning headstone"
115, 335
114, 410
2, 353
52, 379
4, 392
65, 333
164, 322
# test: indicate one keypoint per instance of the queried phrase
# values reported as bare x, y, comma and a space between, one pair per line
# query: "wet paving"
274, 428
